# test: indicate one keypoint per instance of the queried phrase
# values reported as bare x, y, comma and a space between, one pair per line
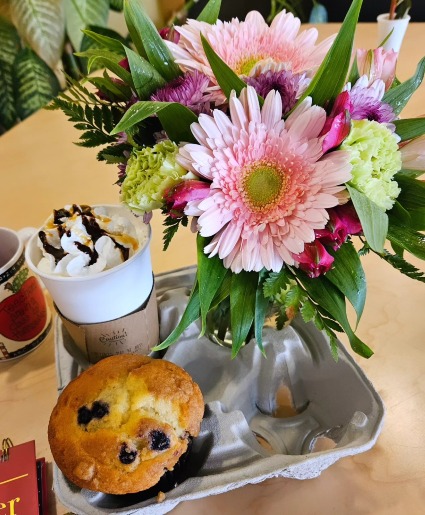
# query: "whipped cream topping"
79, 240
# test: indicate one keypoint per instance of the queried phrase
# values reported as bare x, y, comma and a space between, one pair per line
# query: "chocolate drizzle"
58, 254
93, 230
87, 250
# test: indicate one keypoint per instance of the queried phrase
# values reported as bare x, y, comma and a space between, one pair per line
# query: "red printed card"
18, 481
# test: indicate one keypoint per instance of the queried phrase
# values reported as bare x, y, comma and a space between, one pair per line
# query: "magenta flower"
189, 89
185, 196
125, 64
315, 260
377, 64
338, 123
289, 85
170, 34
343, 222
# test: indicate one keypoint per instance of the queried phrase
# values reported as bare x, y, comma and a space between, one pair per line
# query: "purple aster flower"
366, 102
191, 90
289, 85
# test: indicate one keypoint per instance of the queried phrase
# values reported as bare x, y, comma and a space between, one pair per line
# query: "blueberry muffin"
120, 425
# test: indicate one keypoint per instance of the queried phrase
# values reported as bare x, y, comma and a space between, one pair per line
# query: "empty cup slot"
325, 440
265, 444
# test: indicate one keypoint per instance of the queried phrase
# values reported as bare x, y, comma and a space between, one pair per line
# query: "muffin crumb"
160, 497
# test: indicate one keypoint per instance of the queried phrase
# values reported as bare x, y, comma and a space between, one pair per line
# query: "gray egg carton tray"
338, 413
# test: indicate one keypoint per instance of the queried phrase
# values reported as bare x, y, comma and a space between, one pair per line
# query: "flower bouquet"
287, 156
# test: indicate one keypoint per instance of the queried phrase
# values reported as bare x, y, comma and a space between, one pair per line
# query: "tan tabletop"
41, 169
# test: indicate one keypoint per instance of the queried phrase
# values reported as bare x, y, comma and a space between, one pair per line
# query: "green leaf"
171, 228
242, 307
210, 12
327, 296
331, 77
275, 282
102, 37
262, 305
146, 79
191, 313
307, 311
211, 273
348, 276
333, 343
116, 5
410, 128
105, 59
412, 195
417, 219
35, 83
113, 154
354, 72
408, 239
176, 118
79, 14
10, 42
223, 292
401, 214
226, 77
9, 48
143, 32
413, 174
374, 220
117, 92
399, 96
403, 266
41, 24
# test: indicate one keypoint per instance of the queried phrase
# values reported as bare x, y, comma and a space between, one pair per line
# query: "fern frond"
403, 266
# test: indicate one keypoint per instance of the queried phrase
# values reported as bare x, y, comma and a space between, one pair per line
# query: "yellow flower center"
246, 65
263, 185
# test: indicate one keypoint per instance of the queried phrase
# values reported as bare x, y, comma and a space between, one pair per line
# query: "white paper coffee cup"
107, 295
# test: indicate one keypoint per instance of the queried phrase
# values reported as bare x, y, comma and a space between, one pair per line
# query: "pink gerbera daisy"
271, 186
251, 47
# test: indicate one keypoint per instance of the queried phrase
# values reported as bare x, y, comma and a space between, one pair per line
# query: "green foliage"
191, 314
403, 266
211, 273
374, 220
34, 83
348, 276
331, 76
242, 307
147, 40
410, 128
9, 48
171, 227
210, 12
39, 26
291, 295
40, 23
79, 14
175, 118
88, 114
399, 96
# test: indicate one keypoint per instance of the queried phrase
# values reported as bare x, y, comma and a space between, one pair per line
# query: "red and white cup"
25, 318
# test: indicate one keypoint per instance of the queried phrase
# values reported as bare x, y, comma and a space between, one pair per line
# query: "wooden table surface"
41, 169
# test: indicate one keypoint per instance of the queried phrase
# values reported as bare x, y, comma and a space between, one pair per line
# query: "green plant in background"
399, 9
306, 10
38, 39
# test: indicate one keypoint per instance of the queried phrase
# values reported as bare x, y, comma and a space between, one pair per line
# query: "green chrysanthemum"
149, 173
375, 158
